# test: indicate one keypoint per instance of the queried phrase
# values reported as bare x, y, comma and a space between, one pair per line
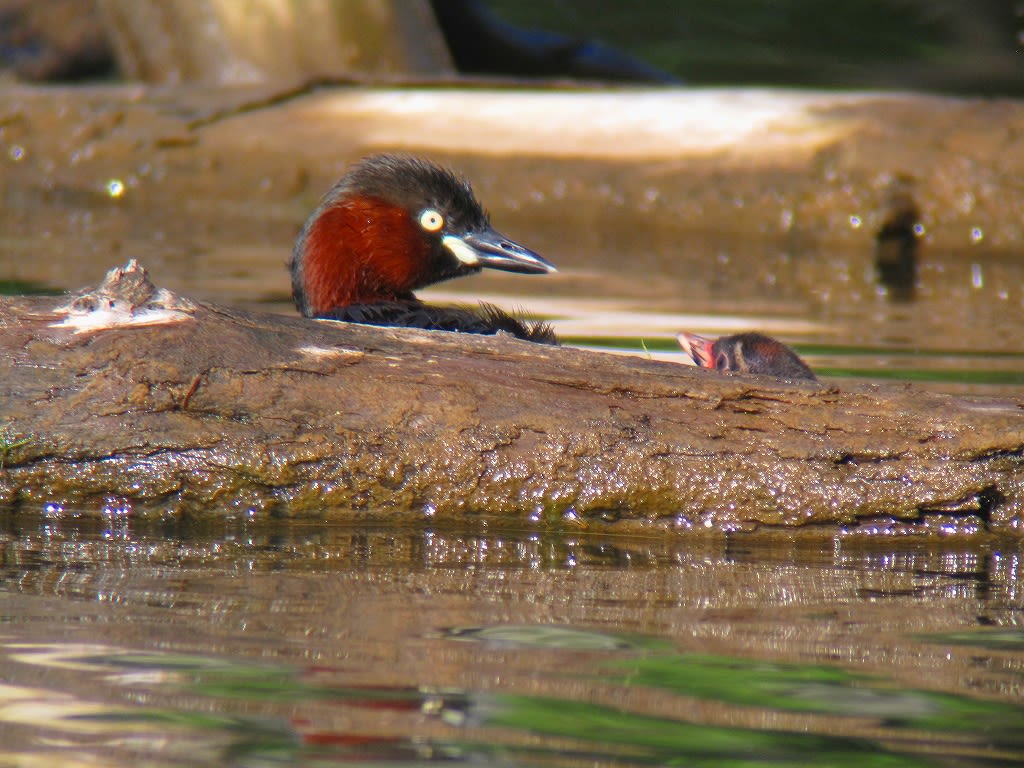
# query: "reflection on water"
163, 645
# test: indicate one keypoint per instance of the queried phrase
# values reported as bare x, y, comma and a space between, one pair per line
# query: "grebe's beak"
489, 249
698, 350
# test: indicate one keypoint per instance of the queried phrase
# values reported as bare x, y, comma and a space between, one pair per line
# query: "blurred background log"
940, 46
244, 42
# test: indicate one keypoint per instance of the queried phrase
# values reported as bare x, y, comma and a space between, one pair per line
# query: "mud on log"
133, 398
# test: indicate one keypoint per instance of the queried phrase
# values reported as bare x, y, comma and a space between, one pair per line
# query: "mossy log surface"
132, 398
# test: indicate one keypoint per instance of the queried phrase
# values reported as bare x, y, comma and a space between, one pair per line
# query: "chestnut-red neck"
361, 250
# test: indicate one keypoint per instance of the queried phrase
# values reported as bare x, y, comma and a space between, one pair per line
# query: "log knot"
125, 297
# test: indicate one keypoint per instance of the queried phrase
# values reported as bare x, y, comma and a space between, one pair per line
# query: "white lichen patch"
111, 317
327, 353
106, 313
126, 298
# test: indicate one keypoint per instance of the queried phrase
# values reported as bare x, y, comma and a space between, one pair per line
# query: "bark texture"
130, 398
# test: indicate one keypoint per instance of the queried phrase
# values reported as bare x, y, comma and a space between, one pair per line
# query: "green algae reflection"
820, 690
644, 739
640, 704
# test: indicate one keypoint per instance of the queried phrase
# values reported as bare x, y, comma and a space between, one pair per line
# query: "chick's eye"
722, 361
431, 220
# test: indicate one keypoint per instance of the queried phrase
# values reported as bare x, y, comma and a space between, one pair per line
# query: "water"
132, 644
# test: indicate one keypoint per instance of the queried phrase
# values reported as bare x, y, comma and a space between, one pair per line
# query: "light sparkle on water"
977, 277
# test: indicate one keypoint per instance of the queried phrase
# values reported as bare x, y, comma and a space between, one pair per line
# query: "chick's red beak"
489, 249
699, 351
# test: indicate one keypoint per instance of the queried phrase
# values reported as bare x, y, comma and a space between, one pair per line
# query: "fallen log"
133, 400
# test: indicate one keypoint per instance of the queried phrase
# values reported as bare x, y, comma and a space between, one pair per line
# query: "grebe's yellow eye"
431, 220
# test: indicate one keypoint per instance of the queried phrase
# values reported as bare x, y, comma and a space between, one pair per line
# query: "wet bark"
130, 398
